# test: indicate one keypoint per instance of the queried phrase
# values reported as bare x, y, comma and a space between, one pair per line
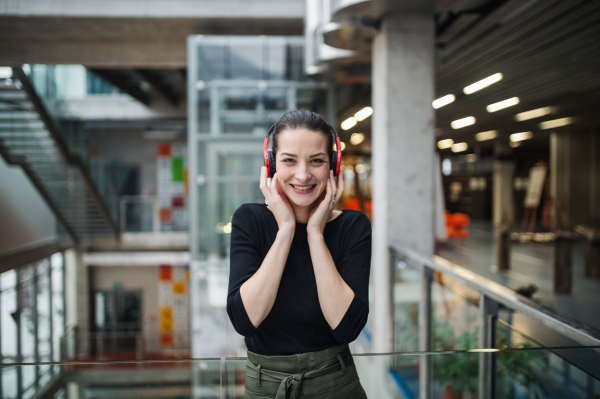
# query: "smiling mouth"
302, 187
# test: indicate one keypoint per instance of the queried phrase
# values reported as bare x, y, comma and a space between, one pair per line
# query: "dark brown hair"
303, 119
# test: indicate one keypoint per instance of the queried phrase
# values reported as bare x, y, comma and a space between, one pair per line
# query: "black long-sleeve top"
296, 323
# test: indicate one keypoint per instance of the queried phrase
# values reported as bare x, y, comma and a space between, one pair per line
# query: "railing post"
425, 369
139, 348
122, 214
488, 314
100, 347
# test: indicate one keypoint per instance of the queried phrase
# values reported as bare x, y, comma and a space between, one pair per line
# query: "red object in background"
165, 272
354, 204
166, 339
177, 202
165, 215
456, 224
164, 150
546, 216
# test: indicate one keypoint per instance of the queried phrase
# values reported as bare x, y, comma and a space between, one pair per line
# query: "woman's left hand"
325, 204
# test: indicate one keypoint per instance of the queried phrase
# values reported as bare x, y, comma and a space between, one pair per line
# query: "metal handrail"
569, 327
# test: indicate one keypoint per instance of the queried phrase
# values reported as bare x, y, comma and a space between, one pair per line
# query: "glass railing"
124, 345
463, 310
439, 306
519, 373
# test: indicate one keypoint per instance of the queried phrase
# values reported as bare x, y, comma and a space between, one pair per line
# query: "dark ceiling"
547, 51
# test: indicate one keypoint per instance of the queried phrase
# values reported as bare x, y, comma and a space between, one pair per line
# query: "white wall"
25, 219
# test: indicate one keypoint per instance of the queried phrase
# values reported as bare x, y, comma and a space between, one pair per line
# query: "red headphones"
335, 158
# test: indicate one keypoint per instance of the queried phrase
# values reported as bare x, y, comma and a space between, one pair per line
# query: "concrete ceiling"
121, 42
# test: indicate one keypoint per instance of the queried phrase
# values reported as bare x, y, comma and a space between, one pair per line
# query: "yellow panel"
178, 287
166, 326
165, 313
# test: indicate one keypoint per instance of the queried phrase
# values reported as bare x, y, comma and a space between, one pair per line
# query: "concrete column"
403, 152
77, 301
503, 206
575, 182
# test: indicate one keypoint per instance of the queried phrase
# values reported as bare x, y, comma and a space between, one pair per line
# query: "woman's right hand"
278, 202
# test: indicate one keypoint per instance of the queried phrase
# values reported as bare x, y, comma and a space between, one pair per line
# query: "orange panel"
165, 272
165, 215
164, 150
166, 339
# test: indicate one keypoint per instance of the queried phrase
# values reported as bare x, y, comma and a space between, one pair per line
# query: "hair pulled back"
303, 119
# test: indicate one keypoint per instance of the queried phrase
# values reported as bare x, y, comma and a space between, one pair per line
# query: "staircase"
29, 138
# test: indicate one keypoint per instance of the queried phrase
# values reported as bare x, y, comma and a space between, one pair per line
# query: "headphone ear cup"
271, 165
333, 162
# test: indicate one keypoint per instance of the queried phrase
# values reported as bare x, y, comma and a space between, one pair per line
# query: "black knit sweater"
296, 323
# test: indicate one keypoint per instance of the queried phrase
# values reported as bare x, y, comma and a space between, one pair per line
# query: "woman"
298, 286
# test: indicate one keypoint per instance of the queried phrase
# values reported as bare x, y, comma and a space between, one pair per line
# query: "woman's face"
302, 163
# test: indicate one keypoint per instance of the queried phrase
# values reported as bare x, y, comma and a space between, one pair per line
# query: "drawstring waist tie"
294, 380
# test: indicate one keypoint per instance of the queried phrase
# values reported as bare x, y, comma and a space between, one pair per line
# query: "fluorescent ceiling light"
364, 113
489, 135
502, 104
483, 83
534, 113
556, 123
440, 102
348, 123
468, 121
357, 138
5, 72
342, 145
459, 147
443, 144
521, 136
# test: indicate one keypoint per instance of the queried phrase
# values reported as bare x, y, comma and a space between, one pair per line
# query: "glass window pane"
43, 310
211, 61
27, 315
8, 307
275, 58
58, 313
9, 382
246, 58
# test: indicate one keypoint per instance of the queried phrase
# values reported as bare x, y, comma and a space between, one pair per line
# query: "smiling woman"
299, 269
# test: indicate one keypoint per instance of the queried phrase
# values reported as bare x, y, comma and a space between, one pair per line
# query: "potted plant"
459, 373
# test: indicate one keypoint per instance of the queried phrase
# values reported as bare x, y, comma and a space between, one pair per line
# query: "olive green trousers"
326, 374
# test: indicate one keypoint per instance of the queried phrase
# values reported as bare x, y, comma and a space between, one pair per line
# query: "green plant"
519, 367
460, 371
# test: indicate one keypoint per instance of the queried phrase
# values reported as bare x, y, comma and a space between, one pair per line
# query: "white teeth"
302, 188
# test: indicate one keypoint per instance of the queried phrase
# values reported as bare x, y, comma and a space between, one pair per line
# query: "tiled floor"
530, 263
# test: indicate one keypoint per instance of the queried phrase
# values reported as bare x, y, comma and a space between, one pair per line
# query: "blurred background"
131, 130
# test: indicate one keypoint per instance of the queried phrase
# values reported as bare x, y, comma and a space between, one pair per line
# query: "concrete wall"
25, 219
132, 33
156, 8
134, 278
130, 148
